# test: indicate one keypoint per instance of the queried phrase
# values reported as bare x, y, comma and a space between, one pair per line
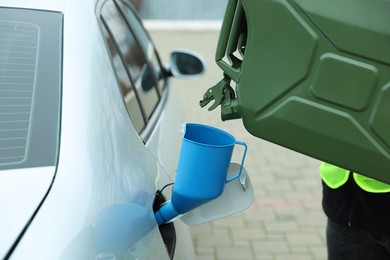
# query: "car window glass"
30, 86
145, 42
126, 87
133, 57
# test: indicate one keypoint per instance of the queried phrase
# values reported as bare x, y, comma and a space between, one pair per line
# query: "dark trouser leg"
349, 243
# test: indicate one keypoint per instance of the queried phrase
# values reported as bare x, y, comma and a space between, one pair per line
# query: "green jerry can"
312, 76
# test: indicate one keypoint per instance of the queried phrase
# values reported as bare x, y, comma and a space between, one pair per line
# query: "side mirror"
185, 63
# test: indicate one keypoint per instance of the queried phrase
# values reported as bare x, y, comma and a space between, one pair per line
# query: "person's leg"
349, 243
383, 240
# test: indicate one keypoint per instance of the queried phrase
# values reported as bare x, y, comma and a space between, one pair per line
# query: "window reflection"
131, 101
145, 43
135, 60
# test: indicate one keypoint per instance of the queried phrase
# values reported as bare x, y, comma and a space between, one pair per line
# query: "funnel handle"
242, 162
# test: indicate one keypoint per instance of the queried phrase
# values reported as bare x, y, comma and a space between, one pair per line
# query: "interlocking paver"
237, 253
243, 234
206, 240
297, 239
205, 257
293, 257
281, 227
277, 246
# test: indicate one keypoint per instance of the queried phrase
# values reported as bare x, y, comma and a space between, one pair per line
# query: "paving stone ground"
286, 220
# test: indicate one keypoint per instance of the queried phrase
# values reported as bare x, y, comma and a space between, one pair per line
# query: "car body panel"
104, 156
19, 199
102, 159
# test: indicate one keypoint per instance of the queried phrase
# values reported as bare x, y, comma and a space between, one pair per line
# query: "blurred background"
181, 10
286, 220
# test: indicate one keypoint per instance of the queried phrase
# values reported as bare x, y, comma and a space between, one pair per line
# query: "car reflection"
120, 226
121, 232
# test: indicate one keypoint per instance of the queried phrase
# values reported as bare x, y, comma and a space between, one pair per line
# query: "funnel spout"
166, 213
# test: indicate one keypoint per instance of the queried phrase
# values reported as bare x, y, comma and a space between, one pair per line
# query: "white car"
89, 136
88, 133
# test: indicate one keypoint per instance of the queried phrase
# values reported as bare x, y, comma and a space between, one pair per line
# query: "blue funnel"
204, 161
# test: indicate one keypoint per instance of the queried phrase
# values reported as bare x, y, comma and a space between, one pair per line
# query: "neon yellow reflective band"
371, 185
333, 176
